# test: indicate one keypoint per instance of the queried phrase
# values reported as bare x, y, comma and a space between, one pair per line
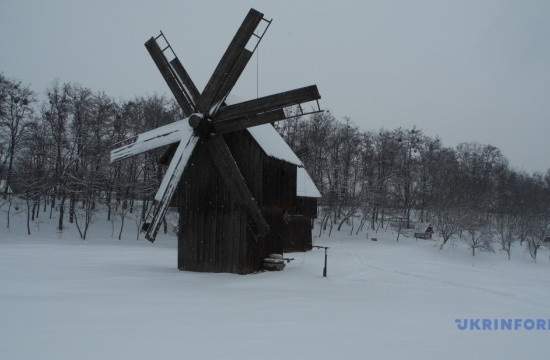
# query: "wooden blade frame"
182, 93
178, 81
231, 79
164, 135
226, 126
188, 84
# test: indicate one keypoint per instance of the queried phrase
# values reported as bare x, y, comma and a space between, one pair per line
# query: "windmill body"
216, 234
235, 195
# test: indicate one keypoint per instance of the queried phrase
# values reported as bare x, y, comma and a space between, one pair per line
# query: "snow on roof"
305, 186
269, 139
273, 144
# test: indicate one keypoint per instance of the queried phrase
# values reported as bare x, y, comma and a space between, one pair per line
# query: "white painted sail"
169, 183
164, 135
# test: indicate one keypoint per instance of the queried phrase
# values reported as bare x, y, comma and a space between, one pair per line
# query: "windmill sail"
242, 123
174, 77
269, 103
168, 186
164, 135
227, 63
232, 77
185, 79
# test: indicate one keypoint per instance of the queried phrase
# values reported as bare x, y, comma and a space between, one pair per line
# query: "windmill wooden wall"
214, 230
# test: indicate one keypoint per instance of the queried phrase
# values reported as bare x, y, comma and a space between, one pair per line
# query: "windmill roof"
273, 144
305, 187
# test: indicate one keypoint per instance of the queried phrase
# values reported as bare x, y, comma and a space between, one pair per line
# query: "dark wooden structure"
298, 236
216, 234
234, 198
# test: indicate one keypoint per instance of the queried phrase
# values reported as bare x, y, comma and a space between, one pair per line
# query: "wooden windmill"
204, 135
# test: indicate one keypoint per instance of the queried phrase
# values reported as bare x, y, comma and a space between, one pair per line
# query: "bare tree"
539, 231
478, 231
15, 114
506, 226
56, 115
447, 224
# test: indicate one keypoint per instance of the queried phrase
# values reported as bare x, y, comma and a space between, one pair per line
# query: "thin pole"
258, 72
325, 268
326, 257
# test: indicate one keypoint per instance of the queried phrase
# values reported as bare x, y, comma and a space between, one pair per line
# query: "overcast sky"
463, 70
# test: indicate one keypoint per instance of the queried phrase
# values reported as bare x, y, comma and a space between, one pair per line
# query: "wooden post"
326, 258
325, 268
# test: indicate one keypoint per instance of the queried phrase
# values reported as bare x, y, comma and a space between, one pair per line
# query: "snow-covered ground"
64, 298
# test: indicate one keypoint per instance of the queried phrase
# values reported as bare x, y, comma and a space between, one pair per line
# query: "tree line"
54, 153
372, 179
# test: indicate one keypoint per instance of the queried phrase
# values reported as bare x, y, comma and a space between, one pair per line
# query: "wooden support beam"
269, 103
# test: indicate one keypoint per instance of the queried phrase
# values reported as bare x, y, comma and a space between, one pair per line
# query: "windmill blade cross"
182, 92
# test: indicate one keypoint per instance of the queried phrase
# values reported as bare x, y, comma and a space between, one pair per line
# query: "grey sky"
464, 70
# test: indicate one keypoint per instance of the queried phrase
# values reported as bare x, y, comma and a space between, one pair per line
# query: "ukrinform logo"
516, 324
